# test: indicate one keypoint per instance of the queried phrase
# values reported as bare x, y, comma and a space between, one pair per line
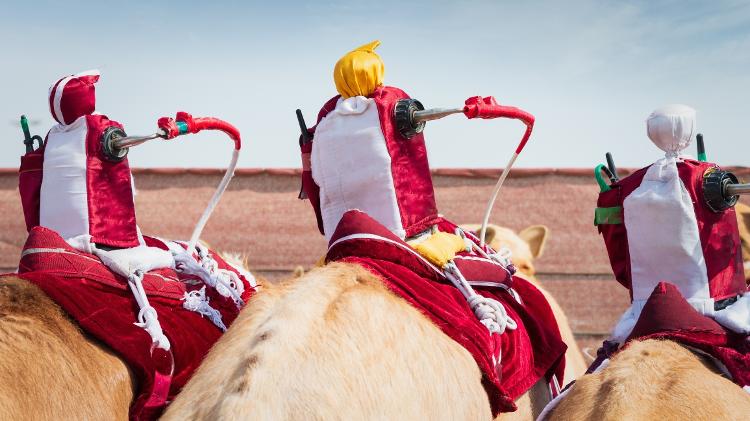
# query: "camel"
49, 368
525, 247
654, 380
335, 343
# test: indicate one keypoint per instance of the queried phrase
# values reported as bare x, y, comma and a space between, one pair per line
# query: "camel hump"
665, 379
334, 341
24, 300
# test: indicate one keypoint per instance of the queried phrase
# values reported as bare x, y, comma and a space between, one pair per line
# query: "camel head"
526, 246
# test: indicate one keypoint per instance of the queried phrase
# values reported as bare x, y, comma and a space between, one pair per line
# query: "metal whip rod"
130, 141
435, 113
736, 189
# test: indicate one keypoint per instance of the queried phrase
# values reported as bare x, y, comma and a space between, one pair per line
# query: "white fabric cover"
671, 127
351, 164
663, 242
663, 238
64, 198
736, 317
126, 261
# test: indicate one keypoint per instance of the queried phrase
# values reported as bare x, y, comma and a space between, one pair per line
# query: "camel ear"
535, 236
489, 235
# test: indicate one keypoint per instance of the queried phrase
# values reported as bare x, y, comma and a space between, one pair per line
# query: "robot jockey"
366, 174
86, 252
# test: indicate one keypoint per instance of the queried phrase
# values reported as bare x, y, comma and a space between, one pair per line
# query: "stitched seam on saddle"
27, 252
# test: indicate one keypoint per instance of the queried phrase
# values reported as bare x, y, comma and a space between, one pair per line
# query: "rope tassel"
490, 312
226, 282
198, 302
147, 317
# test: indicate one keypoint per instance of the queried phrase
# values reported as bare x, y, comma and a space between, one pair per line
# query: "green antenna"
701, 148
28, 139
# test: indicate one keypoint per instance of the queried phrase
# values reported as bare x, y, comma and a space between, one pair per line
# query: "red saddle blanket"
104, 307
667, 315
511, 362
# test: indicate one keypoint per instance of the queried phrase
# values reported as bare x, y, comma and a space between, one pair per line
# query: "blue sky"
590, 71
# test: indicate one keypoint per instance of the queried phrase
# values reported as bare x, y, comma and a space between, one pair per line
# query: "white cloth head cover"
671, 128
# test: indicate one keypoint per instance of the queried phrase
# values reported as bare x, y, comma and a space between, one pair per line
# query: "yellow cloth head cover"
359, 72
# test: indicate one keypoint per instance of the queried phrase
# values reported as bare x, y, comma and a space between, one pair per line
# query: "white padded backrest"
64, 197
663, 238
351, 165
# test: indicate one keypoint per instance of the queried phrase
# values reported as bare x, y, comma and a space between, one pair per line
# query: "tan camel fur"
48, 368
335, 343
654, 380
525, 247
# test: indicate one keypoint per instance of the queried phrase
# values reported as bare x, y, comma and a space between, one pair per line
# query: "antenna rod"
612, 169
701, 148
27, 140
306, 137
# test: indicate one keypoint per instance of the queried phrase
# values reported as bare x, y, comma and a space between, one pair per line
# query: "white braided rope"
226, 282
213, 202
147, 318
490, 312
493, 197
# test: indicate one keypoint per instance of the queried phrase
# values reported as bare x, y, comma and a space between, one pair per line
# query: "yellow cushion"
440, 248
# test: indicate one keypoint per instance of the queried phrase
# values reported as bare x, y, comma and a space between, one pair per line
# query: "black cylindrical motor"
403, 114
715, 190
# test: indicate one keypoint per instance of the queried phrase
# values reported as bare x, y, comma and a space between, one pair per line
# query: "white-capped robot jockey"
672, 238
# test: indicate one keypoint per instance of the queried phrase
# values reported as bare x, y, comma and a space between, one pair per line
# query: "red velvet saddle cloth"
667, 315
510, 363
104, 307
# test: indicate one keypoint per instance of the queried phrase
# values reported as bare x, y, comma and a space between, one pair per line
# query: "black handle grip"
612, 169
306, 136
